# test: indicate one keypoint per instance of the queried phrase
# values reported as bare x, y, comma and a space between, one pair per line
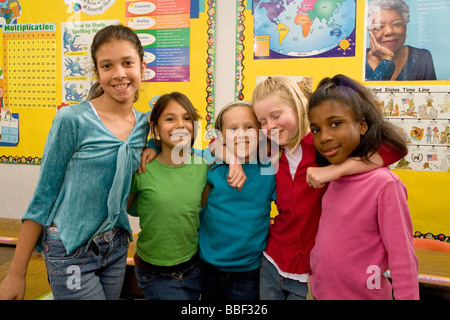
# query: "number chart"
29, 56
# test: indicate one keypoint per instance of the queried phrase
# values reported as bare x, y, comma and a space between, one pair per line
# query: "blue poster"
304, 28
9, 128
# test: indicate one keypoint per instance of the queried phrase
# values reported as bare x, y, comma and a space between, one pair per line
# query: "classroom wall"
17, 182
427, 190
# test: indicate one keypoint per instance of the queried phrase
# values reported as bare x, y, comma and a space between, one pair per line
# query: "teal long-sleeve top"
85, 176
234, 224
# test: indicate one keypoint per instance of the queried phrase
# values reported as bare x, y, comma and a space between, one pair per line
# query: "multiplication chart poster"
29, 59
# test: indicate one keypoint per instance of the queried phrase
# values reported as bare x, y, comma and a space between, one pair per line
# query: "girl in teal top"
168, 198
234, 224
78, 211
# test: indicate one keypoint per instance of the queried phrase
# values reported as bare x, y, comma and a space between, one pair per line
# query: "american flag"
431, 157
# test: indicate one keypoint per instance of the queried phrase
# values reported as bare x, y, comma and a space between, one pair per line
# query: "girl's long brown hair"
162, 103
105, 35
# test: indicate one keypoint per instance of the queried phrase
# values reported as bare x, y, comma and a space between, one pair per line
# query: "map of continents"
304, 28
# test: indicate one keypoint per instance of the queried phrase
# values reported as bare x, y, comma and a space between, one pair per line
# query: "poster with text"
406, 40
303, 29
45, 62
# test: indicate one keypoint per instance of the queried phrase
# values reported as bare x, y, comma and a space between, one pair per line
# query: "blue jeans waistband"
107, 236
53, 233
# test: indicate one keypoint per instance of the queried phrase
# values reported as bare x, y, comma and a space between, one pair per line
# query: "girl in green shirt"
168, 199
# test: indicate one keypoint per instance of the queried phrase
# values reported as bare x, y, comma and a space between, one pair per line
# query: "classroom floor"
8, 228
6, 254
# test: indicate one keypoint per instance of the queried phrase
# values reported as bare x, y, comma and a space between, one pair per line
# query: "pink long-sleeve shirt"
365, 229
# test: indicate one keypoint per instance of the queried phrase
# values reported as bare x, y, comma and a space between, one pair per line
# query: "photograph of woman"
387, 56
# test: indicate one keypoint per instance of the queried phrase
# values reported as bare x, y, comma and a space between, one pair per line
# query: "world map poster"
304, 28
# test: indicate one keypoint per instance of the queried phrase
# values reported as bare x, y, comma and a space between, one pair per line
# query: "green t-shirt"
168, 203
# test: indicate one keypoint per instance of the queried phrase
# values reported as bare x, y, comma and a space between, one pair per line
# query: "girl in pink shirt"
365, 227
280, 106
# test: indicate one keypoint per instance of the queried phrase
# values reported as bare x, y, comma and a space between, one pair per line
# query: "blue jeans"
221, 285
273, 286
83, 274
183, 285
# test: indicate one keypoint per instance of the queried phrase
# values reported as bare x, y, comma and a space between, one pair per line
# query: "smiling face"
240, 131
336, 133
119, 70
389, 29
175, 126
280, 120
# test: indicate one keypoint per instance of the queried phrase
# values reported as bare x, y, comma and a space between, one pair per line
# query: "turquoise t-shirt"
168, 203
234, 224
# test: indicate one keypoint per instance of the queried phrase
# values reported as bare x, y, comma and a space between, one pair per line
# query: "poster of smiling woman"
406, 40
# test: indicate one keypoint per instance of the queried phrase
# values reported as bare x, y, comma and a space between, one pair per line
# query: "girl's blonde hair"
218, 124
283, 89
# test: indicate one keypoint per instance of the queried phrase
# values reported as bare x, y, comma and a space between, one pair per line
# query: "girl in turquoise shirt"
78, 211
234, 224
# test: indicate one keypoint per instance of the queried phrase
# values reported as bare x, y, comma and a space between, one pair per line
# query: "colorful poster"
90, 7
164, 29
45, 61
419, 30
423, 112
9, 128
304, 28
11, 11
29, 61
77, 75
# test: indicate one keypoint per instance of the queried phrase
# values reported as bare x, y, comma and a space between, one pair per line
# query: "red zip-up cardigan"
292, 234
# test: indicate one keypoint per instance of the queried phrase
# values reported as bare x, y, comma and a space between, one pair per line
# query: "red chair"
430, 244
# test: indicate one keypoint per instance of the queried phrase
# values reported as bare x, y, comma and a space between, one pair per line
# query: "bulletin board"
317, 39
45, 61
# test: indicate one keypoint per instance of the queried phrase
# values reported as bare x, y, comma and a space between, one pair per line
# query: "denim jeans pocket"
57, 257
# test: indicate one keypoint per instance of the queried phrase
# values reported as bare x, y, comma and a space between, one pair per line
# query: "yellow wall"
429, 206
427, 191
34, 123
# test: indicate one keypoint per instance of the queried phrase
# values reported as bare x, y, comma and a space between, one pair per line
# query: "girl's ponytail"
95, 91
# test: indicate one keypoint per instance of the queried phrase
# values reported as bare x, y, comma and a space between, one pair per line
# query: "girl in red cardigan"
281, 108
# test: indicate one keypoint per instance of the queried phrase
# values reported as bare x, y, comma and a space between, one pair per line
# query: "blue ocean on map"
305, 28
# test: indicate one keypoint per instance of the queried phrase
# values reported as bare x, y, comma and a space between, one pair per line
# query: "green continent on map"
324, 9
